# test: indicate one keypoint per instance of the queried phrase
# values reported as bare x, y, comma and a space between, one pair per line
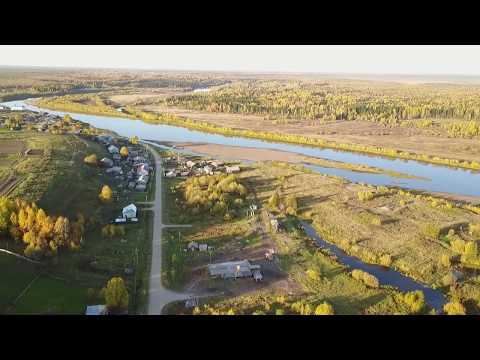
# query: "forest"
388, 104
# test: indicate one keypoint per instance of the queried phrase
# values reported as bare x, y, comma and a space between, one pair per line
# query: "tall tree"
116, 295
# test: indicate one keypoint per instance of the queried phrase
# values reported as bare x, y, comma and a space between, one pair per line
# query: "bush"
474, 229
431, 231
454, 308
386, 260
106, 194
366, 278
365, 195
324, 309
313, 275
91, 159
111, 230
415, 300
446, 261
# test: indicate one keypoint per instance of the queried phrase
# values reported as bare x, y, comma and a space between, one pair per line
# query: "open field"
67, 186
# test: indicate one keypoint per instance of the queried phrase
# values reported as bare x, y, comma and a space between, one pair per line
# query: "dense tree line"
329, 101
42, 234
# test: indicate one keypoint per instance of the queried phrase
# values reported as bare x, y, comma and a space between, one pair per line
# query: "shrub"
431, 231
365, 195
458, 245
376, 220
415, 300
386, 260
274, 200
474, 229
91, 159
106, 194
111, 230
324, 309
366, 278
313, 275
446, 261
454, 308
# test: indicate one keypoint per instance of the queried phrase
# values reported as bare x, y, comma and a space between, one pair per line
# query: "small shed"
129, 211
203, 247
96, 310
232, 169
192, 246
140, 187
192, 302
257, 275
190, 164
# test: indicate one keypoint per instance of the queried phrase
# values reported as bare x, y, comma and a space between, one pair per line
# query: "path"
158, 295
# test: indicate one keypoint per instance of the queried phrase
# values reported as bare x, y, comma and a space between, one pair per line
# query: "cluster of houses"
134, 169
42, 122
194, 246
177, 167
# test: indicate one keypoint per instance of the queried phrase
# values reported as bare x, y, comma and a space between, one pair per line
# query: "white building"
112, 149
232, 269
96, 310
129, 211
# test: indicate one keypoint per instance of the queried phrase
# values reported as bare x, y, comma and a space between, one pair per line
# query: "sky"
371, 59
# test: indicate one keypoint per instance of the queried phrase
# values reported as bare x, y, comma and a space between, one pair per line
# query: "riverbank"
229, 152
169, 119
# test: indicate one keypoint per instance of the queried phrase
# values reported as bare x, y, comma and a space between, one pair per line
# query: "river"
429, 177
386, 276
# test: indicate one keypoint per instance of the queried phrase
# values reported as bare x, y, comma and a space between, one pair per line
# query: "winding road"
158, 295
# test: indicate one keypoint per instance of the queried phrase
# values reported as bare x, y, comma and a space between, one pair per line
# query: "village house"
105, 139
129, 211
232, 169
96, 310
106, 162
112, 149
143, 179
232, 269
115, 170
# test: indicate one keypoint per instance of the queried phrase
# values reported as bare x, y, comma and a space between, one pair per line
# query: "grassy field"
391, 223
62, 184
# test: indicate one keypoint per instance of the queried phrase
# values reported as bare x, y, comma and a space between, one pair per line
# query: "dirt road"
158, 295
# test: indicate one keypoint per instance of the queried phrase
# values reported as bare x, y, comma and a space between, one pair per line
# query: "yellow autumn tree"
116, 295
124, 151
91, 159
106, 194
